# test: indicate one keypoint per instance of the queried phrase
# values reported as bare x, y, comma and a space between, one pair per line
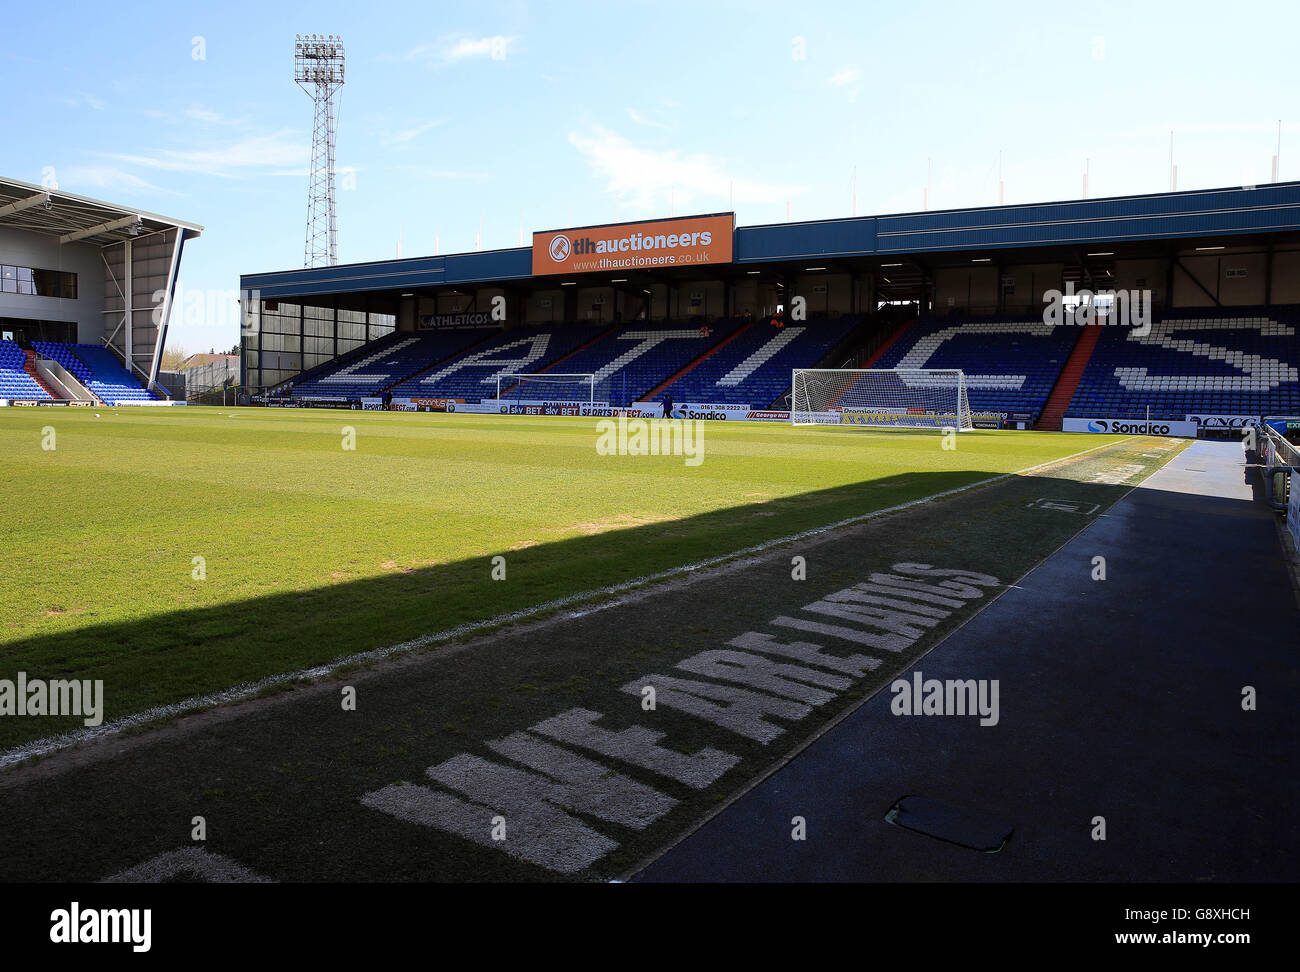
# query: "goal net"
547, 387
925, 398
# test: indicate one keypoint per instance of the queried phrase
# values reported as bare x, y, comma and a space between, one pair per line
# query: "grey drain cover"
967, 828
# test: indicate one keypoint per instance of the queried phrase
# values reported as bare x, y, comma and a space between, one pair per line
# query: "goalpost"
926, 398
548, 387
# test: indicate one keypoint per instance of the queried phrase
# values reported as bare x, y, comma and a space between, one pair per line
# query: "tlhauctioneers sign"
689, 241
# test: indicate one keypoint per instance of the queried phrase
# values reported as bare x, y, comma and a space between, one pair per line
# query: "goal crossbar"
508, 381
881, 397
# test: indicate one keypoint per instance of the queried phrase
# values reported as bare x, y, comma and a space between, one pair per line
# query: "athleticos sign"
689, 241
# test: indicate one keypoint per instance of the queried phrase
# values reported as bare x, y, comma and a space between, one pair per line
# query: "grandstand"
754, 367
1241, 361
98, 371
389, 362
473, 375
728, 327
86, 373
1011, 366
629, 362
86, 297
729, 361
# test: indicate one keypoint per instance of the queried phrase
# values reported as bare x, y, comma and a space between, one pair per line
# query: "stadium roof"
1147, 225
72, 218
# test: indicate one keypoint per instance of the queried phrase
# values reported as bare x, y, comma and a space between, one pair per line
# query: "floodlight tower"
318, 69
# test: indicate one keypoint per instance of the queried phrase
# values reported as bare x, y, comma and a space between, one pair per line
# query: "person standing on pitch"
668, 405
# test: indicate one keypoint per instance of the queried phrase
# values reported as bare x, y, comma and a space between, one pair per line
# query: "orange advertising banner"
689, 241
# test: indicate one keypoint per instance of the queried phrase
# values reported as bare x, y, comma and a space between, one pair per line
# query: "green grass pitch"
311, 551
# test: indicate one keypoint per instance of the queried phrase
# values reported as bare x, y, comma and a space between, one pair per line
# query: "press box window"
38, 283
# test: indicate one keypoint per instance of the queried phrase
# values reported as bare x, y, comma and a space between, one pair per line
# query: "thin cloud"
210, 117
105, 177
468, 47
403, 137
645, 178
455, 174
340, 171
429, 172
194, 113
251, 155
203, 115
84, 100
456, 48
848, 82
643, 119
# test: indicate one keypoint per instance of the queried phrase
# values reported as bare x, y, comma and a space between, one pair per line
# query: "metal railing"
1278, 458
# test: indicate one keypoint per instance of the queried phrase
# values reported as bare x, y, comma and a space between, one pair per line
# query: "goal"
548, 387
924, 398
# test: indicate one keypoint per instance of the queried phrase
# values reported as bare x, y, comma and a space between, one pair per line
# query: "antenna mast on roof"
1173, 169
1277, 158
318, 70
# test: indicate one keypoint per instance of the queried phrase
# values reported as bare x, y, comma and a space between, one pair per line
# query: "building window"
38, 283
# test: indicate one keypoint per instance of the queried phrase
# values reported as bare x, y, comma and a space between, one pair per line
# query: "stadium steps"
65, 383
563, 358
416, 376
1063, 391
29, 366
850, 345
582, 347
690, 365
854, 340
888, 343
860, 338
15, 383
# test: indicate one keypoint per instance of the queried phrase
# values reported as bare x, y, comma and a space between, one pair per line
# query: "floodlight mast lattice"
318, 70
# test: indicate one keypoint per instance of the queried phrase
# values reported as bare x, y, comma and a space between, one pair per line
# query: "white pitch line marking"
247, 690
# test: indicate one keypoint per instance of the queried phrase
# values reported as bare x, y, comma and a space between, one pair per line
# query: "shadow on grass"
168, 658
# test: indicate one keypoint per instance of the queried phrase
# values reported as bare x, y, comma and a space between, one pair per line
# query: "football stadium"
938, 546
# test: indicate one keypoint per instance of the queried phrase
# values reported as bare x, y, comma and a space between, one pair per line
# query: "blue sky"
622, 109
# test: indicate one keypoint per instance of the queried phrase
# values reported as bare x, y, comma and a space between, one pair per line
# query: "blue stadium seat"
472, 375
15, 383
1241, 361
629, 362
394, 358
99, 370
1011, 364
754, 368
